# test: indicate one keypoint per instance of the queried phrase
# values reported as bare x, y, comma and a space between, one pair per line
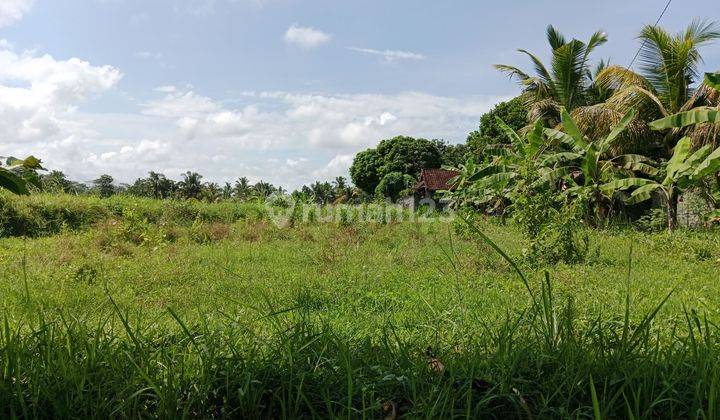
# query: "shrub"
560, 238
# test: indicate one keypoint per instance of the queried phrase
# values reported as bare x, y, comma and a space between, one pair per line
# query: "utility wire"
644, 41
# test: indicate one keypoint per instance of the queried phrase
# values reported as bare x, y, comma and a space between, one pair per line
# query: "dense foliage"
402, 154
513, 113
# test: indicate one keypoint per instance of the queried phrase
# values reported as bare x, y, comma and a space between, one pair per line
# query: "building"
430, 182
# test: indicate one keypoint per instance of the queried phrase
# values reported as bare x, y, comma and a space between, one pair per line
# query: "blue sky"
281, 90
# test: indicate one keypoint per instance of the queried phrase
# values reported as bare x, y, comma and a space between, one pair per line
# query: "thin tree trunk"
672, 206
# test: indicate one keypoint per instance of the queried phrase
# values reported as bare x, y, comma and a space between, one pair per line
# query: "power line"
644, 41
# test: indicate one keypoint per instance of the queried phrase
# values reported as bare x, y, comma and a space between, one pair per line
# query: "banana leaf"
560, 157
643, 193
13, 182
713, 80
677, 161
710, 165
699, 115
619, 128
625, 183
572, 129
515, 139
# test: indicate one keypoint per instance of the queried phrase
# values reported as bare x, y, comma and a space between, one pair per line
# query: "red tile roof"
436, 179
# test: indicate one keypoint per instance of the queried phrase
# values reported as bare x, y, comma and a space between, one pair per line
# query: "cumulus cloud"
286, 138
39, 94
306, 36
13, 10
390, 55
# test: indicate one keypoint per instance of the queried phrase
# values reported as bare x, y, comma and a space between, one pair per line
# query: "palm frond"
554, 37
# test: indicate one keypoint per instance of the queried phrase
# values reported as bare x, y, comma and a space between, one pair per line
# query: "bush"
560, 239
47, 214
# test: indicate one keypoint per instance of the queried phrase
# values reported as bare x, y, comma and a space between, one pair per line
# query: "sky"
285, 91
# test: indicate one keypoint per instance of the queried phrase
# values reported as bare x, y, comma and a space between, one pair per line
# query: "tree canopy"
402, 154
513, 113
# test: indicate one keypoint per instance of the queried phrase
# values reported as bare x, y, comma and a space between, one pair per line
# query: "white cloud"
306, 36
390, 55
13, 10
338, 166
39, 94
282, 137
149, 55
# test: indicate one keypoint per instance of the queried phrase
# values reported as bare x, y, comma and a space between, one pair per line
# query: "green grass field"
235, 317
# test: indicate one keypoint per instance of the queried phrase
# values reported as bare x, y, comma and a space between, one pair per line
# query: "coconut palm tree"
568, 81
242, 189
191, 185
665, 81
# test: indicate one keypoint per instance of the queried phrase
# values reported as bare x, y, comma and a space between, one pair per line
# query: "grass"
235, 317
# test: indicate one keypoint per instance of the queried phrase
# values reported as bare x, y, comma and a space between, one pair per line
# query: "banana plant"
684, 169
697, 115
588, 166
491, 184
9, 177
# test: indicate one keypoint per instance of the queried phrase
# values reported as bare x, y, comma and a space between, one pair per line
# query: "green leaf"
535, 138
625, 183
553, 134
677, 161
619, 128
498, 180
12, 182
572, 129
713, 80
560, 157
643, 193
699, 115
641, 167
511, 134
710, 165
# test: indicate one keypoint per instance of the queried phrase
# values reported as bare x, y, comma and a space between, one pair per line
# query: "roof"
436, 179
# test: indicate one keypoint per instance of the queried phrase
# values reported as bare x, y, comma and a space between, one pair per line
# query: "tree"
683, 170
104, 186
393, 184
322, 192
451, 154
342, 190
242, 189
513, 113
227, 191
567, 84
263, 189
664, 85
56, 181
402, 154
590, 164
364, 170
190, 186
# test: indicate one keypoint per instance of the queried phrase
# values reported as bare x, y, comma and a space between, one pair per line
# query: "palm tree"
190, 186
568, 83
263, 189
242, 189
665, 82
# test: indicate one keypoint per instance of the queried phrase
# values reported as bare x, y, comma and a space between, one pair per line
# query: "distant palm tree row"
191, 186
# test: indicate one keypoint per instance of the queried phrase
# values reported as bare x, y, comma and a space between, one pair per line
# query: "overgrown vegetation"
245, 319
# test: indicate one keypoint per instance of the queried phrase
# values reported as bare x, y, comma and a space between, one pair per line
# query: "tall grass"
46, 214
542, 361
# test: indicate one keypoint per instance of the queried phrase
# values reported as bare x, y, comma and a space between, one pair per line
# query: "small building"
430, 182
